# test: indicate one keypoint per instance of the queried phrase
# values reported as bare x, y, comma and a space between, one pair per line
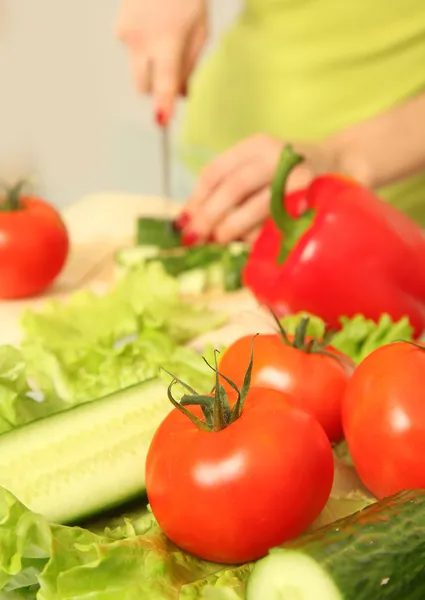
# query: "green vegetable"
157, 232
376, 554
94, 345
227, 584
87, 459
16, 405
234, 261
64, 563
116, 558
358, 336
197, 269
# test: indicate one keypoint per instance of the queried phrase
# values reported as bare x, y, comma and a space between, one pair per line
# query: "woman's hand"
164, 39
232, 197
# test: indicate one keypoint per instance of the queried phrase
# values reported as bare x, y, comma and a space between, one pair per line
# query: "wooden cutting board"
99, 225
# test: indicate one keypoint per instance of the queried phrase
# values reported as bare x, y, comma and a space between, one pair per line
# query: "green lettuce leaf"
226, 584
358, 336
53, 562
146, 299
25, 545
93, 345
17, 407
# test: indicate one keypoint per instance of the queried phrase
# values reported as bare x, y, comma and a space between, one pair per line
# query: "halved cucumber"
87, 459
375, 554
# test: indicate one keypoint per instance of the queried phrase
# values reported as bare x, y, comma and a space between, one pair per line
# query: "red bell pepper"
335, 249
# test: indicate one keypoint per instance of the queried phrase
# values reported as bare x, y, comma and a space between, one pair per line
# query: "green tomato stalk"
12, 197
311, 345
215, 407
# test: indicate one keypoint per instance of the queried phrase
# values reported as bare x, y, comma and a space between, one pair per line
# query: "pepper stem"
289, 159
291, 228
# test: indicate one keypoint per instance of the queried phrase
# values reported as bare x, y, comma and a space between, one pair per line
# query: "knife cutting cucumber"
152, 231
87, 459
375, 554
198, 269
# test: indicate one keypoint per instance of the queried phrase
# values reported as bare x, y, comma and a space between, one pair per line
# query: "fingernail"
184, 90
189, 238
182, 221
161, 118
212, 239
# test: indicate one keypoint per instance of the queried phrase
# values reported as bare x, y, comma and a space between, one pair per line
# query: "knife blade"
166, 171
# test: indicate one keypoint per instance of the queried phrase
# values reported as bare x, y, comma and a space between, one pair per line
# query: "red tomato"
315, 381
230, 496
384, 419
33, 248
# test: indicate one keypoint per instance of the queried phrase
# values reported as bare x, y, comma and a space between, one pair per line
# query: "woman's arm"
231, 198
384, 149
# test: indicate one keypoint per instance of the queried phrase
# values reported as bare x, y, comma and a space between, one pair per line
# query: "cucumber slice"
157, 232
87, 459
234, 261
291, 576
193, 282
375, 554
238, 248
216, 275
130, 257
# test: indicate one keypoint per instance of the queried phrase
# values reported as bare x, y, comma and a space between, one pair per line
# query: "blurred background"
68, 112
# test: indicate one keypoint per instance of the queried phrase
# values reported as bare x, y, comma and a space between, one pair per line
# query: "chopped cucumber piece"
193, 282
130, 257
237, 248
87, 459
216, 275
157, 232
221, 266
291, 576
233, 264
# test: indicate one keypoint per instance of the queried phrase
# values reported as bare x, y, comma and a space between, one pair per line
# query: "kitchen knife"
166, 171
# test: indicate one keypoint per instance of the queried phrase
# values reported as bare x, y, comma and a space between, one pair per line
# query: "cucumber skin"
383, 541
157, 232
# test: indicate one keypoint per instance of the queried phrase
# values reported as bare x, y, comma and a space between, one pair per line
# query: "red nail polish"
182, 221
212, 239
189, 238
161, 118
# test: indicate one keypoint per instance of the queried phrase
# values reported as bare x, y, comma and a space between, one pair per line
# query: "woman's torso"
305, 69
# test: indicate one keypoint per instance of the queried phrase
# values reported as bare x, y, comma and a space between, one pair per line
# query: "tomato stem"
216, 407
300, 341
195, 420
12, 196
311, 346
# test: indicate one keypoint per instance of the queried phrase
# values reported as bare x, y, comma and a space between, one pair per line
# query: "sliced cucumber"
198, 269
233, 265
238, 248
291, 576
216, 275
157, 232
375, 554
193, 282
87, 459
130, 257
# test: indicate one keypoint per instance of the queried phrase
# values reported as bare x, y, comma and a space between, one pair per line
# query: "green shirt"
305, 69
